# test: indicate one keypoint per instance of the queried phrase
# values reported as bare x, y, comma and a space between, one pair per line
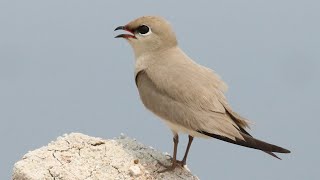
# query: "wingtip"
286, 151
272, 154
282, 150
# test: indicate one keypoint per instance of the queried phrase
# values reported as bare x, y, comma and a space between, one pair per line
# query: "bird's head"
148, 34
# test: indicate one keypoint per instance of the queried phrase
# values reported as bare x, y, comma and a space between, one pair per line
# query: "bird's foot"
181, 163
172, 167
168, 168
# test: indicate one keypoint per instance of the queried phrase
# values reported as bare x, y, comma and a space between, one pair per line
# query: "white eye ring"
144, 26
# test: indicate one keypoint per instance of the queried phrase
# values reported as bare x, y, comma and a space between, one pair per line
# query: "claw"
181, 163
168, 169
172, 167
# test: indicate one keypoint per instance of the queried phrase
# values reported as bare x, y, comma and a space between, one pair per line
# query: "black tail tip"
286, 151
282, 150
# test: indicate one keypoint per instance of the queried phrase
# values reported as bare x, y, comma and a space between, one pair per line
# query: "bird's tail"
250, 142
272, 154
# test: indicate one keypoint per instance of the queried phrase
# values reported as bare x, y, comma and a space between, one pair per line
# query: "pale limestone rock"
81, 157
135, 171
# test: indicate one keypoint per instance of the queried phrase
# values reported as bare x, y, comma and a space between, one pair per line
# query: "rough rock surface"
78, 156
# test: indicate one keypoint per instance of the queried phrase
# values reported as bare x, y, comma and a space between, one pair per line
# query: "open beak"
126, 36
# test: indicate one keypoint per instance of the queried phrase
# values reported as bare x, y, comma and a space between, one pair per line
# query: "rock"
78, 156
135, 171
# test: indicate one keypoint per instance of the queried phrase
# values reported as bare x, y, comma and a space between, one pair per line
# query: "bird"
187, 96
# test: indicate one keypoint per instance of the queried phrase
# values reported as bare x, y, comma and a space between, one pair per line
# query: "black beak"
126, 36
120, 36
120, 28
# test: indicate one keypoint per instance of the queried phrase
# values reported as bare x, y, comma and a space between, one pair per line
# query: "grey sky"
62, 71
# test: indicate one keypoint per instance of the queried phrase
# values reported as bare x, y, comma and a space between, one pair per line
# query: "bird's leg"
174, 160
184, 160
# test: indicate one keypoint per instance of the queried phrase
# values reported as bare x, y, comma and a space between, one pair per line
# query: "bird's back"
184, 93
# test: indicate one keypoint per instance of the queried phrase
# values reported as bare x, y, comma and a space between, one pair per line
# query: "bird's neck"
147, 59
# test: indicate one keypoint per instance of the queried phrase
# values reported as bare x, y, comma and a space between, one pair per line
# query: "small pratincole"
188, 97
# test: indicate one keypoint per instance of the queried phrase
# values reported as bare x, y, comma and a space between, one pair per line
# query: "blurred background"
62, 71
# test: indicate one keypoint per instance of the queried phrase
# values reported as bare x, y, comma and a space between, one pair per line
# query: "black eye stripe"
143, 29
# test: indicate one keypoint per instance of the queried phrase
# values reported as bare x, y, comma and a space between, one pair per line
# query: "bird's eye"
143, 30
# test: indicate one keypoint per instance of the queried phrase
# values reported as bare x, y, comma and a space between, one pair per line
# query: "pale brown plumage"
187, 96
